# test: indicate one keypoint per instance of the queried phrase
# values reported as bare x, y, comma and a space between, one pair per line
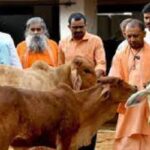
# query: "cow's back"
35, 78
27, 78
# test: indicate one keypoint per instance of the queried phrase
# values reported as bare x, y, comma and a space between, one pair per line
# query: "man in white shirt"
7, 40
146, 17
147, 36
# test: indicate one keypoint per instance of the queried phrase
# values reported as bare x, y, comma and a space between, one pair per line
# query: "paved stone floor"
105, 137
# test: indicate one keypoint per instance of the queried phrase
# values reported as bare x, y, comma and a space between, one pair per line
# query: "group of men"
130, 63
38, 46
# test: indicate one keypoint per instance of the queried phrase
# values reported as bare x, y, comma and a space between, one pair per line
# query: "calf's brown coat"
61, 116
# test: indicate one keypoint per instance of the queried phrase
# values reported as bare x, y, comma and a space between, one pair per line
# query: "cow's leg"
4, 144
64, 143
73, 148
5, 148
91, 146
4, 140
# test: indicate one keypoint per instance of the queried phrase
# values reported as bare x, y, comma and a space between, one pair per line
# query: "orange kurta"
90, 47
132, 122
28, 58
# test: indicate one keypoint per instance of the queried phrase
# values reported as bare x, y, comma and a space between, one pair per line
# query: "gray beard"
36, 43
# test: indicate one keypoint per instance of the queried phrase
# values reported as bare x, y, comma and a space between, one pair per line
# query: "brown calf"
59, 117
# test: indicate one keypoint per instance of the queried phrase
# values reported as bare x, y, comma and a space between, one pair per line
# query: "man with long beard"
37, 45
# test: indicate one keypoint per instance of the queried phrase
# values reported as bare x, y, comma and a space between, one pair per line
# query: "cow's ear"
76, 80
105, 94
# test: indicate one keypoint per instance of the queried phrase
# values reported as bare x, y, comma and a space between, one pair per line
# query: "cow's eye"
86, 70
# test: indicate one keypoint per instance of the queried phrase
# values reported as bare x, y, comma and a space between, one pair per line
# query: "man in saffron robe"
131, 64
37, 45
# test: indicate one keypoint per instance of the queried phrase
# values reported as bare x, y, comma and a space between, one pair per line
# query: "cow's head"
118, 89
82, 73
110, 92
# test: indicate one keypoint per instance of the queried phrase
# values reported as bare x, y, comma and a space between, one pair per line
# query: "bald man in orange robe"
132, 64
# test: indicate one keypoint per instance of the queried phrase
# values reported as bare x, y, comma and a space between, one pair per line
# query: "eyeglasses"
36, 29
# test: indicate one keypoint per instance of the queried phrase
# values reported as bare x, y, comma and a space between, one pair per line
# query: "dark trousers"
91, 146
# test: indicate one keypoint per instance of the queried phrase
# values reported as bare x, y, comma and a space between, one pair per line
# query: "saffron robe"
132, 126
49, 55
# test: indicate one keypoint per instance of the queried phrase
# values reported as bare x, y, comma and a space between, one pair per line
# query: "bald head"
135, 34
135, 23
